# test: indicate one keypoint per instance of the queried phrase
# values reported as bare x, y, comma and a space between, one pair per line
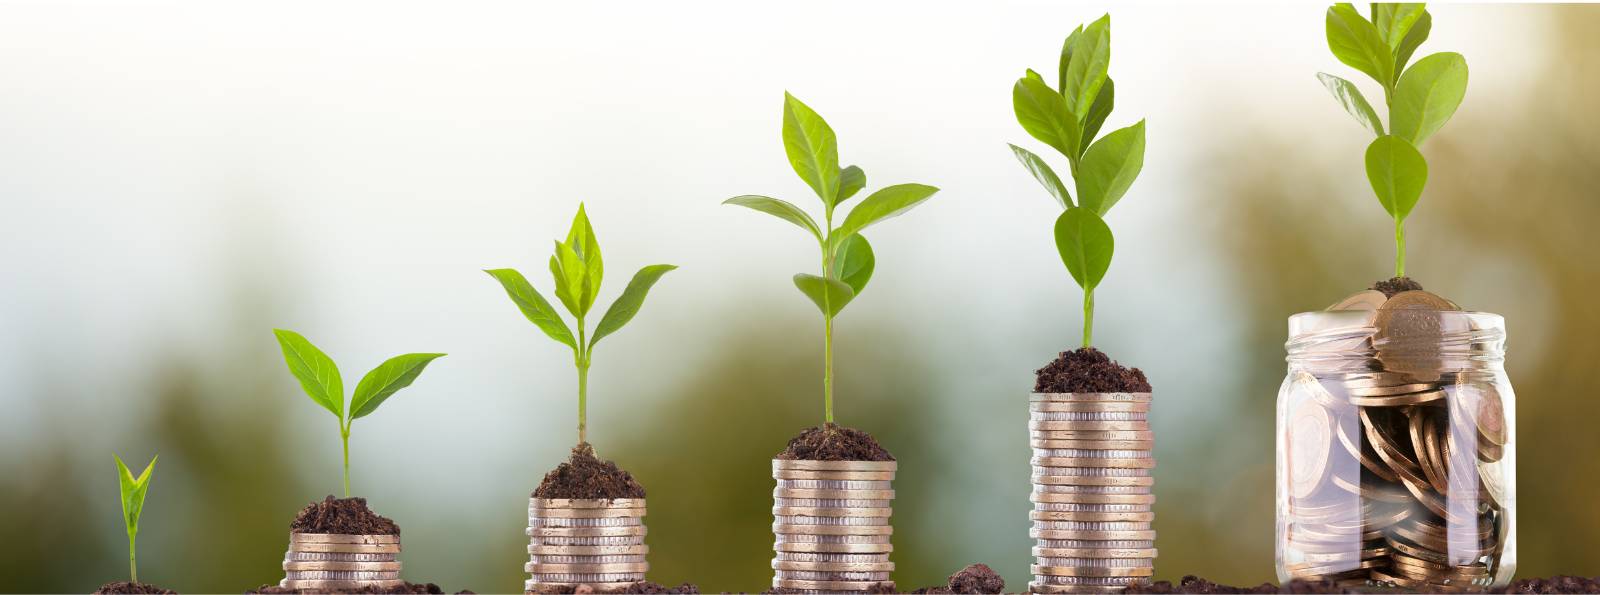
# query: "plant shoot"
133, 492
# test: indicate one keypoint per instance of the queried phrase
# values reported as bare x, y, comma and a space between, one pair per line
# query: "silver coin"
834, 484
853, 521
829, 503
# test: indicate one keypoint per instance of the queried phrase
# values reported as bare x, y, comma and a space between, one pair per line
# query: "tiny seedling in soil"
1067, 118
320, 379
846, 256
1419, 99
133, 492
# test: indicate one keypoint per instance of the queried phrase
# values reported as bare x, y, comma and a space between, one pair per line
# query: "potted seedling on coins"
133, 492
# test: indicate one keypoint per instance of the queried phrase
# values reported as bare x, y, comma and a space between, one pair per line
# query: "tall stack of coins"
830, 522
1394, 449
595, 542
334, 562
1092, 491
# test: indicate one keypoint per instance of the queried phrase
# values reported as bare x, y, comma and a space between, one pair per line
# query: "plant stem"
1088, 316
344, 437
133, 566
1399, 248
583, 384
827, 369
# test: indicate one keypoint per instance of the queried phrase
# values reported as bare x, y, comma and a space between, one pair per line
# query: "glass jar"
1396, 461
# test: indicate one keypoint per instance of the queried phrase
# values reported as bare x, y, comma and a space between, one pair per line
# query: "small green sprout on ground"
1067, 119
133, 492
847, 260
577, 269
319, 377
1419, 99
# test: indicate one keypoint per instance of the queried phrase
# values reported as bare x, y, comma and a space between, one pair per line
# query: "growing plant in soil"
846, 256
133, 491
1418, 99
320, 379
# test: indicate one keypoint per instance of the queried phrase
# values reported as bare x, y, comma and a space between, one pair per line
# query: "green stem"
133, 565
1400, 248
583, 384
827, 369
344, 437
1088, 316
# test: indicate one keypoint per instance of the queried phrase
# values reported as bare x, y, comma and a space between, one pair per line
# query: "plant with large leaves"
577, 269
847, 259
133, 491
320, 379
1419, 98
1068, 118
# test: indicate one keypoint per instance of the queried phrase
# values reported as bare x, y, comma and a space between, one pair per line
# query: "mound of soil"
585, 476
1194, 584
833, 442
1087, 370
1395, 285
346, 516
640, 587
127, 587
1554, 584
976, 578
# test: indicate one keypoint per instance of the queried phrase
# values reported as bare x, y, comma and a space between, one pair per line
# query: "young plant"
133, 491
319, 377
577, 269
1067, 119
1419, 99
847, 260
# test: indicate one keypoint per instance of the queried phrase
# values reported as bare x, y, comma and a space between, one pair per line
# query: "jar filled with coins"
1395, 446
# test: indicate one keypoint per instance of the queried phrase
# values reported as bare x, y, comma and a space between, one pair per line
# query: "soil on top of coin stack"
1394, 285
127, 587
642, 587
342, 516
976, 578
1087, 370
406, 589
585, 476
833, 442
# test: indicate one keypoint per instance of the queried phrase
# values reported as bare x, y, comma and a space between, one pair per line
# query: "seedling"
133, 492
1419, 99
319, 377
577, 269
1067, 119
847, 260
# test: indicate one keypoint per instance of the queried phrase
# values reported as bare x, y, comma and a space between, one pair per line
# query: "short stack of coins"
1093, 492
830, 523
595, 542
334, 562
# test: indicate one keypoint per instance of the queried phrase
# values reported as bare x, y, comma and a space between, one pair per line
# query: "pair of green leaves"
133, 492
320, 379
848, 261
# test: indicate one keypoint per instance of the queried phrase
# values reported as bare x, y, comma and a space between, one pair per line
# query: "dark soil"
1194, 584
1554, 584
1395, 285
884, 587
127, 587
347, 516
645, 587
406, 589
977, 578
832, 442
585, 476
1087, 370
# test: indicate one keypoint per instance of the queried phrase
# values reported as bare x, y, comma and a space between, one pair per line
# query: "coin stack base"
830, 523
327, 561
1093, 493
595, 542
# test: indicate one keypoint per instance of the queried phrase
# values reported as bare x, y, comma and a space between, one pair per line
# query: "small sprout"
133, 492
1420, 99
1102, 170
319, 377
847, 259
577, 269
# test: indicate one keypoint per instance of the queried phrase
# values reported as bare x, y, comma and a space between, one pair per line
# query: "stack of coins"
595, 542
830, 522
334, 562
1092, 491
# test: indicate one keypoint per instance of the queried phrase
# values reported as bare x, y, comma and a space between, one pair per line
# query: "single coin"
1391, 450
833, 475
1082, 552
1392, 391
588, 550
1092, 535
338, 575
1096, 435
345, 548
845, 511
1085, 480
586, 513
1093, 498
1398, 400
1090, 426
835, 548
1092, 397
343, 539
1041, 570
541, 568
1310, 436
803, 465
586, 531
1494, 482
1424, 442
390, 566
833, 566
1348, 430
1141, 463
1094, 444
1090, 406
547, 503
833, 494
1049, 515
1370, 299
826, 586
834, 529
338, 585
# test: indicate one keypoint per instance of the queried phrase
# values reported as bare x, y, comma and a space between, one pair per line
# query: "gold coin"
1041, 570
1090, 397
587, 531
549, 503
343, 539
588, 550
833, 529
585, 513
1038, 587
542, 568
1398, 400
1392, 391
343, 566
835, 548
1058, 515
1090, 426
1091, 535
1093, 462
813, 494
833, 475
1092, 498
1310, 436
1488, 411
833, 566
1348, 429
1095, 435
1373, 489
1370, 299
1092, 480
1094, 444
1088, 552
802, 465
1091, 407
1425, 443
1389, 449
848, 511
827, 586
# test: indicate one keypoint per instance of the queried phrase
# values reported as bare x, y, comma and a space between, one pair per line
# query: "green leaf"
1085, 244
317, 374
1356, 104
1397, 172
853, 263
1045, 115
829, 295
851, 181
627, 305
582, 240
1395, 20
1413, 39
1047, 177
386, 379
883, 204
1355, 41
1066, 57
569, 272
1098, 112
1428, 94
533, 306
1109, 168
781, 209
133, 492
1086, 73
812, 147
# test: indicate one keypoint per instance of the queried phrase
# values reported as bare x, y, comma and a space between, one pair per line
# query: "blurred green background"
182, 178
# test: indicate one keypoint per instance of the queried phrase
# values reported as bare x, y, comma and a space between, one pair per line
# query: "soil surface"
645, 587
347, 516
1087, 370
884, 587
833, 442
977, 578
406, 589
127, 587
1395, 285
1194, 584
1554, 584
585, 476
